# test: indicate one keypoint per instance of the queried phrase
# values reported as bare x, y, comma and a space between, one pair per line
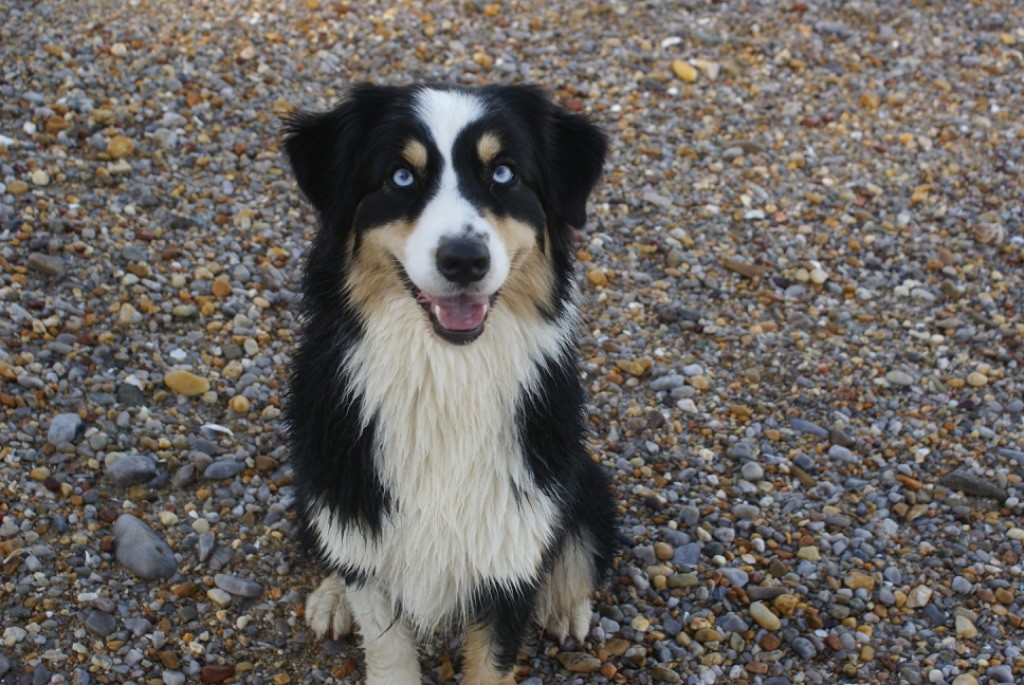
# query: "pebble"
63, 428
810, 553
764, 617
142, 551
665, 674
752, 471
224, 468
965, 679
1000, 674
219, 597
579, 662
131, 469
173, 677
237, 586
919, 596
100, 623
965, 629
120, 146
186, 383
899, 378
216, 673
859, 581
976, 379
973, 484
684, 71
49, 264
686, 555
803, 426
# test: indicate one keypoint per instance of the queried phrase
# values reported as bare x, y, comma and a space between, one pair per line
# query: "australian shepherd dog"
436, 411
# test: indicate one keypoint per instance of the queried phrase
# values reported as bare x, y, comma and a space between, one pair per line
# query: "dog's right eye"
402, 178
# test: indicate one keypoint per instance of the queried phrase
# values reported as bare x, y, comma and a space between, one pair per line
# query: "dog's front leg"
486, 656
388, 643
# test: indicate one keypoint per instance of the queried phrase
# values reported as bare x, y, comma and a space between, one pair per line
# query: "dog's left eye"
402, 178
503, 175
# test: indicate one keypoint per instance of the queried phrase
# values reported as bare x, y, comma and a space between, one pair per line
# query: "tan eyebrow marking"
488, 147
415, 153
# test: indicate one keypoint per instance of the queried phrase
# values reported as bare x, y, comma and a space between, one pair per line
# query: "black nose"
463, 261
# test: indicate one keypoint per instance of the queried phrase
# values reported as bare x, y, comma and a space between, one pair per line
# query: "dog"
436, 414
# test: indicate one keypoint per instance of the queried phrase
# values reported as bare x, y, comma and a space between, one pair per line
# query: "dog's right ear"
324, 148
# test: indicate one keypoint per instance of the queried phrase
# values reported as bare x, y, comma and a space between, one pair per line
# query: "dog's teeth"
437, 311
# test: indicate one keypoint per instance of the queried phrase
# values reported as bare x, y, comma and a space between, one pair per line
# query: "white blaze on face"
449, 214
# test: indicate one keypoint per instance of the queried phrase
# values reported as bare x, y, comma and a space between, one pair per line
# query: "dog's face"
452, 197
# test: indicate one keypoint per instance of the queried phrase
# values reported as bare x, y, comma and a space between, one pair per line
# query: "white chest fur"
449, 455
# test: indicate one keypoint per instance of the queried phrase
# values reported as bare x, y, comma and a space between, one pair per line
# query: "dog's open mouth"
457, 318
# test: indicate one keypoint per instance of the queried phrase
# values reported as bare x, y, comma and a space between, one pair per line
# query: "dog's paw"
574, 621
327, 609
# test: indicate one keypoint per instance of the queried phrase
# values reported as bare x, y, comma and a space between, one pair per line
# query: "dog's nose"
463, 260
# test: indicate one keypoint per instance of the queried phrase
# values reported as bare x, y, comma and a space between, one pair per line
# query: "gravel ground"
803, 276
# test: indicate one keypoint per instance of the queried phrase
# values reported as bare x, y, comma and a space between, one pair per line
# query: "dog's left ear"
576, 150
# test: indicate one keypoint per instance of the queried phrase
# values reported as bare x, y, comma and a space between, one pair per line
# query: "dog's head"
453, 197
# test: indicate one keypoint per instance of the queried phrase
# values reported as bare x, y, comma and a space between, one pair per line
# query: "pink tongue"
462, 313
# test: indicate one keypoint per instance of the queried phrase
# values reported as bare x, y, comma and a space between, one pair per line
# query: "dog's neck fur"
448, 453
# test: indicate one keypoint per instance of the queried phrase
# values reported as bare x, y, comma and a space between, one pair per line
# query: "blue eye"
503, 175
402, 178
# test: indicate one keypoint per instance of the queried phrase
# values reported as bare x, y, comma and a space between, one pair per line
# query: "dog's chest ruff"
465, 511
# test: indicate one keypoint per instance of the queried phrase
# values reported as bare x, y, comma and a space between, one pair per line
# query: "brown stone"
216, 673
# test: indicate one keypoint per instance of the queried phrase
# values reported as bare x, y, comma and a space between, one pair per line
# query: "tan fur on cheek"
530, 284
488, 147
374, 277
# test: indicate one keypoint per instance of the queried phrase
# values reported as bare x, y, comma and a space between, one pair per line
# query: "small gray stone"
131, 469
63, 428
49, 264
899, 378
841, 453
689, 516
1014, 455
183, 476
731, 623
130, 395
840, 437
1000, 674
746, 512
752, 471
962, 585
142, 551
973, 484
5, 664
224, 468
667, 382
657, 199
237, 586
804, 648
207, 540
687, 555
41, 675
233, 351
100, 622
173, 678
736, 576
740, 450
808, 427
